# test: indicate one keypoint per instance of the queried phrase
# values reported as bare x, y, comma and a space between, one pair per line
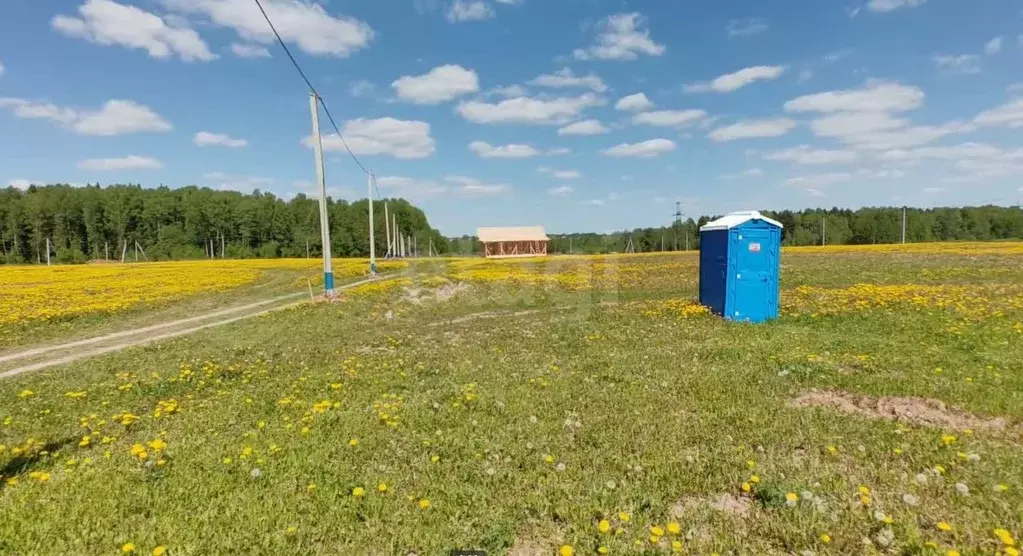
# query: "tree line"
806, 227
93, 222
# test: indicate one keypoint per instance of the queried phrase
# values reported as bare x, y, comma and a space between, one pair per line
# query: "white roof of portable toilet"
734, 219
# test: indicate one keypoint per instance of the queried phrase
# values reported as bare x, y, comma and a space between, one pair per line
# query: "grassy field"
578, 405
41, 303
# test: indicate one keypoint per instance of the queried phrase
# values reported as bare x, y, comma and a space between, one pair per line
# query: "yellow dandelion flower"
358, 492
656, 531
755, 479
603, 550
311, 487
290, 531
948, 439
160, 551
864, 490
128, 548
382, 487
746, 487
434, 458
1011, 551
624, 517
1005, 537
825, 538
353, 442
158, 445
676, 546
604, 526
674, 528
953, 552
425, 503
791, 497
832, 450
566, 550
226, 461
943, 526
85, 441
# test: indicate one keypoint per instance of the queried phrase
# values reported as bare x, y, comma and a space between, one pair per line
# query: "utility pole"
47, 251
328, 270
372, 235
387, 229
903, 224
824, 231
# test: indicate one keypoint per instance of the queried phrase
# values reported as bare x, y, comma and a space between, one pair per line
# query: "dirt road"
58, 354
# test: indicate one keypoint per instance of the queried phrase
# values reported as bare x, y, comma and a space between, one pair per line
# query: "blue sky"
581, 115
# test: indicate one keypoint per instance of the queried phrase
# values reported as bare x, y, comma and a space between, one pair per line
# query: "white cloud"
965, 64
559, 151
634, 103
735, 81
466, 10
21, 183
245, 184
405, 139
28, 109
595, 202
585, 127
565, 78
410, 187
109, 23
560, 174
875, 96
249, 50
207, 139
528, 110
561, 191
305, 24
509, 91
747, 27
115, 117
747, 129
486, 150
644, 149
622, 37
882, 6
807, 155
361, 88
994, 46
1009, 114
123, 163
748, 173
471, 187
119, 117
442, 83
669, 118
815, 181
845, 124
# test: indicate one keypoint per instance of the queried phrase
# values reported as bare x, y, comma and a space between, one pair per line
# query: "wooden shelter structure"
524, 241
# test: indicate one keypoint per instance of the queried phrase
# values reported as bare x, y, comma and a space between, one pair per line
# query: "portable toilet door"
739, 265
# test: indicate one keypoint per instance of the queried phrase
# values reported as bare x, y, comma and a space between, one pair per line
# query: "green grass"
648, 413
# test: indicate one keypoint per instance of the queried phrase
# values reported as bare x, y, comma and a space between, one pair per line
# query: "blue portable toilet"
739, 262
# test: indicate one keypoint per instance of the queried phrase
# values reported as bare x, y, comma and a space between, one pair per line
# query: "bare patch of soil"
918, 411
724, 503
525, 546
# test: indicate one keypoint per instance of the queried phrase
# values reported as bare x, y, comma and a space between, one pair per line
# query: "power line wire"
310, 85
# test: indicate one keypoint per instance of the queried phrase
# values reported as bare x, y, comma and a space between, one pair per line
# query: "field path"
58, 354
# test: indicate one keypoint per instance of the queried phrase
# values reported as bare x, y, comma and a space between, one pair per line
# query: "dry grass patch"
918, 411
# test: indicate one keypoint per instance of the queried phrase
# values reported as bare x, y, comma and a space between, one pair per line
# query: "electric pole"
372, 235
903, 224
328, 271
387, 229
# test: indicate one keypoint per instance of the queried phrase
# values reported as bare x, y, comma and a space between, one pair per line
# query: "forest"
93, 222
